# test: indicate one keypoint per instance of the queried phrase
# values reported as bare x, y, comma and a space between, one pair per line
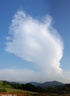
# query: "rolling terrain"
16, 89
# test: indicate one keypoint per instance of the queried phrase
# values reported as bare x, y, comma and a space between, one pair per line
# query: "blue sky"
37, 9
8, 9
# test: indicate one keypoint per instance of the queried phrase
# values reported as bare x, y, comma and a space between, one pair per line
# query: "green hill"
5, 84
7, 87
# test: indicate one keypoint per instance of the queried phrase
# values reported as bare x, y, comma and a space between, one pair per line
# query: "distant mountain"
50, 83
35, 83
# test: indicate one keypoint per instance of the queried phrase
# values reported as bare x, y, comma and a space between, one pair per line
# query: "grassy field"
9, 89
2, 85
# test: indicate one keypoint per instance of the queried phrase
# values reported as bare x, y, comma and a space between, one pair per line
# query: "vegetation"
10, 88
28, 87
31, 90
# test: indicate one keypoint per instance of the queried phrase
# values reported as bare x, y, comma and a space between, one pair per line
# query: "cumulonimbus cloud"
36, 41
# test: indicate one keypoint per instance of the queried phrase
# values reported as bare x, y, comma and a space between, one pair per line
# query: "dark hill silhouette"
50, 83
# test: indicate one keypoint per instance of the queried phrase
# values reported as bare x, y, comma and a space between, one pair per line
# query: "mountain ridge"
50, 83
47, 84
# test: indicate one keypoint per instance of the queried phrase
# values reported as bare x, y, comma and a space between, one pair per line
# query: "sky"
34, 40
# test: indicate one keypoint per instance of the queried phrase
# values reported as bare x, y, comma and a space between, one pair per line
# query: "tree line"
65, 88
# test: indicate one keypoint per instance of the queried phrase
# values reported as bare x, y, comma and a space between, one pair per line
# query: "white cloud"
17, 75
37, 42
